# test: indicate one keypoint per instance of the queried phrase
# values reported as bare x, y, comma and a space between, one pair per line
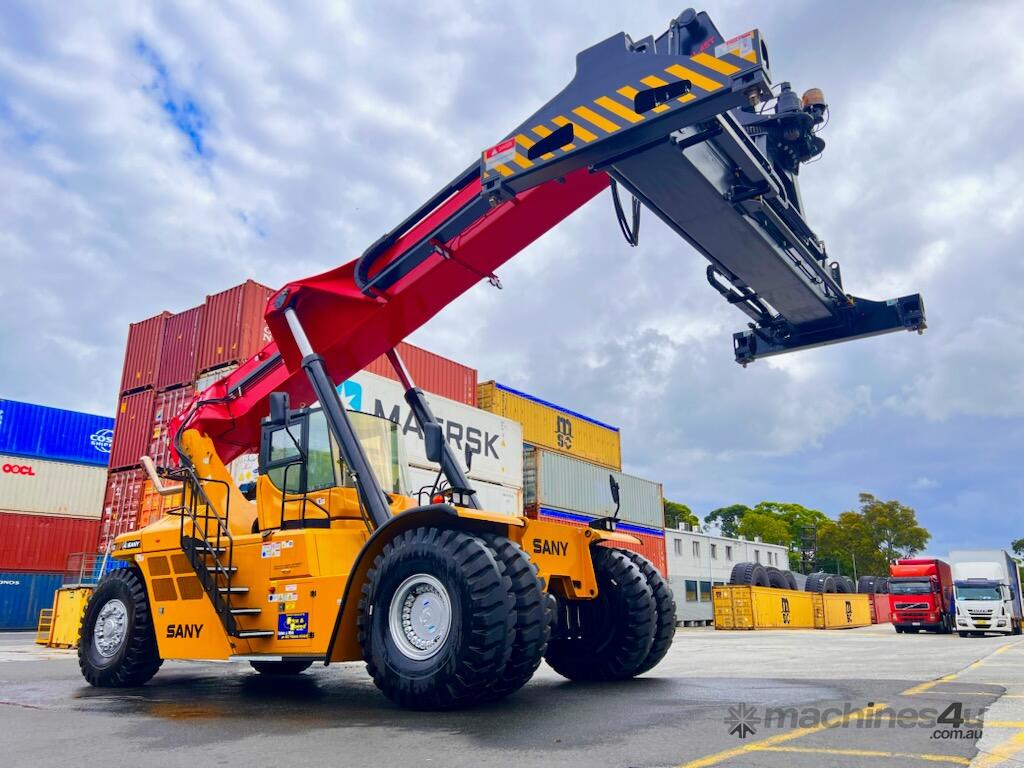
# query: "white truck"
987, 594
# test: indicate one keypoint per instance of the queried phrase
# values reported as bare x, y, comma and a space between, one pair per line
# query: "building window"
705, 591
757, 555
679, 547
771, 558
691, 591
728, 552
696, 549
714, 551
719, 583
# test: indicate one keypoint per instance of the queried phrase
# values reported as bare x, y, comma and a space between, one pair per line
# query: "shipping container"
44, 542
492, 497
841, 611
121, 504
496, 443
880, 613
142, 353
431, 373
555, 480
177, 365
23, 596
153, 506
553, 427
652, 540
233, 328
166, 405
38, 431
42, 487
738, 606
207, 378
132, 429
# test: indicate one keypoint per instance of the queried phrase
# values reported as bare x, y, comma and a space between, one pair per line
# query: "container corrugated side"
493, 497
431, 373
178, 352
652, 540
233, 325
39, 431
44, 542
23, 596
121, 504
43, 487
207, 378
166, 405
552, 426
142, 353
132, 429
555, 480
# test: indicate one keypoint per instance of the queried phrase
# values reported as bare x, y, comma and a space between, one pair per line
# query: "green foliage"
1017, 545
771, 529
727, 518
676, 514
880, 532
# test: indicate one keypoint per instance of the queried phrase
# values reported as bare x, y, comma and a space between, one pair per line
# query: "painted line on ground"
928, 685
1003, 754
927, 757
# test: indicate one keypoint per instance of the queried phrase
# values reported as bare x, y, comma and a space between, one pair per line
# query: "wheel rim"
420, 616
111, 628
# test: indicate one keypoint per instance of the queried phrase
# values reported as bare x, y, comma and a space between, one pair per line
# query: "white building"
697, 561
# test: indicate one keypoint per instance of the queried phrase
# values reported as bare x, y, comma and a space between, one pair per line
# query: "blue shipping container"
37, 431
23, 595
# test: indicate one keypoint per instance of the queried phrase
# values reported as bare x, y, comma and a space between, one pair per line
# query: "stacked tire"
873, 585
757, 575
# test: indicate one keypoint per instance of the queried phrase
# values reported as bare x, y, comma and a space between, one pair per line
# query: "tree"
727, 518
770, 529
1017, 545
880, 532
895, 527
677, 514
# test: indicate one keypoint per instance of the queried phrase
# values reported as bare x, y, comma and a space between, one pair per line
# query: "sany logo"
19, 469
102, 439
351, 393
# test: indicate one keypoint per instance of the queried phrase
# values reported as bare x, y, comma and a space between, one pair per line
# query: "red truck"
921, 595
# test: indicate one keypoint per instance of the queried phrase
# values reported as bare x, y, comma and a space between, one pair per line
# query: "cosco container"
39, 431
42, 487
431, 373
121, 504
142, 353
23, 596
555, 480
166, 405
233, 326
44, 542
177, 364
652, 540
553, 427
132, 429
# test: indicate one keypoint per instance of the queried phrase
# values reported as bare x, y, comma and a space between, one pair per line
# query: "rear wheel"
665, 605
436, 619
117, 646
610, 636
285, 667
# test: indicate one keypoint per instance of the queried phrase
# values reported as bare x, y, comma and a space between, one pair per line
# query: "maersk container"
178, 352
44, 542
142, 353
432, 373
651, 540
553, 426
132, 429
23, 596
553, 480
233, 326
42, 487
38, 431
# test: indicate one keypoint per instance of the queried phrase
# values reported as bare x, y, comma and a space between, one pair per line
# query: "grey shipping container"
555, 480
23, 595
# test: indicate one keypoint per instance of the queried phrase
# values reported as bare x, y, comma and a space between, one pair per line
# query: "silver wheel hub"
420, 616
111, 628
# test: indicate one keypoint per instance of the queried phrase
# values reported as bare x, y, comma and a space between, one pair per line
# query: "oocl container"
39, 431
44, 542
652, 540
142, 353
178, 351
23, 596
42, 487
233, 325
431, 373
132, 429
553, 427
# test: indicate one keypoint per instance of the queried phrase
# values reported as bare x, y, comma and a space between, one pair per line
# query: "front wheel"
117, 645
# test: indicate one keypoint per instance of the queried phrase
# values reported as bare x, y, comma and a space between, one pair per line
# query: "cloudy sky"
149, 157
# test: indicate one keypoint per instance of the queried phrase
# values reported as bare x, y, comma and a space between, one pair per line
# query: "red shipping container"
43, 542
166, 405
431, 373
142, 353
121, 504
880, 613
652, 540
233, 326
132, 429
178, 351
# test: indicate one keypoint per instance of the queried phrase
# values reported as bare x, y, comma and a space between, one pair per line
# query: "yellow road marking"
926, 686
716, 64
1002, 724
699, 80
1001, 754
577, 130
618, 109
630, 93
592, 117
782, 738
950, 678
872, 753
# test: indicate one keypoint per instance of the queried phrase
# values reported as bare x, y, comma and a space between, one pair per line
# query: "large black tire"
286, 667
776, 578
882, 585
752, 574
790, 580
866, 585
820, 582
132, 660
665, 605
463, 582
616, 628
533, 614
845, 585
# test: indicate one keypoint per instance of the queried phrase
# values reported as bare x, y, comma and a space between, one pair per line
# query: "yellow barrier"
743, 607
68, 607
44, 626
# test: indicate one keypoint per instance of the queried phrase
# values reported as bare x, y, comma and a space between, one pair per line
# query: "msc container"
178, 351
550, 426
742, 607
42, 487
44, 542
841, 611
652, 540
142, 353
132, 429
39, 431
555, 480
166, 405
121, 504
233, 326
23, 596
431, 373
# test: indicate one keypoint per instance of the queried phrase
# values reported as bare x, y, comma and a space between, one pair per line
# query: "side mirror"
279, 407
433, 442
614, 486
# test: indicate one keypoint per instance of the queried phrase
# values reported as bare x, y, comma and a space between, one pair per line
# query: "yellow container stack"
745, 607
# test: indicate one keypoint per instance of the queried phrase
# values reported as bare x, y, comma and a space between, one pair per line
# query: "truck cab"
921, 595
987, 589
